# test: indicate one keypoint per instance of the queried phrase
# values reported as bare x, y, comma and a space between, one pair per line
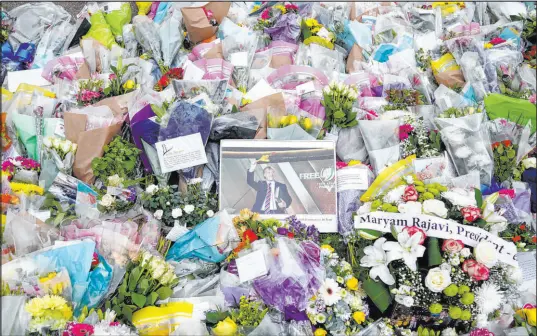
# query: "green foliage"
338, 102
505, 164
58, 214
249, 313
433, 252
427, 332
400, 99
119, 158
378, 293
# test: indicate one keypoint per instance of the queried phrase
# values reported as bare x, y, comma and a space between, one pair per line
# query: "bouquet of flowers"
338, 99
21, 169
148, 278
339, 307
172, 206
314, 32
50, 312
118, 198
417, 139
62, 152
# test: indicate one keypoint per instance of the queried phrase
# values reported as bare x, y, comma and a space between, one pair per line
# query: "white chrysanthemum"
488, 298
104, 328
463, 152
460, 197
339, 279
330, 292
449, 332
320, 318
395, 195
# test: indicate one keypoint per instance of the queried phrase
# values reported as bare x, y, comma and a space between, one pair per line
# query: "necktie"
268, 198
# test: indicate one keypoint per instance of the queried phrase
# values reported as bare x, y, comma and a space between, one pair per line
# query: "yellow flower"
531, 316
359, 317
225, 328
129, 84
27, 189
50, 276
488, 45
281, 8
3, 220
256, 7
352, 283
311, 22
315, 30
354, 162
245, 214
327, 247
320, 332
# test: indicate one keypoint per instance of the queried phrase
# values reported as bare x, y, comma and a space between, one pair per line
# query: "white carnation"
177, 212
189, 208
158, 214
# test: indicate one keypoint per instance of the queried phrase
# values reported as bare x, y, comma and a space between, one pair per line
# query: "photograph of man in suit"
272, 196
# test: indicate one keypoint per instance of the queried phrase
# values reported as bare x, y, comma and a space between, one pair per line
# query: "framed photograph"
279, 179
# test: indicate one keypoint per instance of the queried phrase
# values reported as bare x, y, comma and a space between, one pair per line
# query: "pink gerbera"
266, 14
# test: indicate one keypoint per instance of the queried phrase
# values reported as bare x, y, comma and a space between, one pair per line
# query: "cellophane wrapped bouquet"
117, 213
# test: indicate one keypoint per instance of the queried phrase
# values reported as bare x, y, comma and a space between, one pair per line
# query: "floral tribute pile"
431, 104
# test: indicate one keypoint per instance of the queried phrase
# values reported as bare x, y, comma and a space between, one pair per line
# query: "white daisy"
330, 292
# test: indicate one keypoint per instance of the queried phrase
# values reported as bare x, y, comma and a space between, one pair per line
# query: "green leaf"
394, 231
339, 114
213, 317
107, 305
138, 299
478, 197
433, 252
164, 292
144, 285
133, 278
127, 312
378, 293
117, 309
152, 298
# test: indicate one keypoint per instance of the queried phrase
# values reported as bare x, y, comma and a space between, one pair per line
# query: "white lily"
407, 248
493, 218
376, 258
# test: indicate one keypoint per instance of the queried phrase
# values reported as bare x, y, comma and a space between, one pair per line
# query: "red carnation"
290, 235
410, 194
471, 213
163, 81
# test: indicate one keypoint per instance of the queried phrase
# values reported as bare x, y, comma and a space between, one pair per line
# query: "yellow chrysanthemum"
359, 317
312, 22
354, 162
488, 45
320, 332
328, 248
352, 283
320, 41
48, 277
27, 189
256, 7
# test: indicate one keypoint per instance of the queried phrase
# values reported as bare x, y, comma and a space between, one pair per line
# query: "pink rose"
413, 230
112, 76
410, 194
452, 245
471, 213
475, 269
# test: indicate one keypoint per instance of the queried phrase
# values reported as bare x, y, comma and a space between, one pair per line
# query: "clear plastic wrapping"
239, 50
381, 139
468, 144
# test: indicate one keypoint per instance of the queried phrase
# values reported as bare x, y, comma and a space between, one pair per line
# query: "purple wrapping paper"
143, 128
285, 29
187, 119
313, 106
285, 292
377, 90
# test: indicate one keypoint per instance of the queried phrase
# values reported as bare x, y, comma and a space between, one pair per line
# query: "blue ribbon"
18, 60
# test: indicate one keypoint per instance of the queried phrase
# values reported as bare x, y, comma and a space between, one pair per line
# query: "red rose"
523, 227
471, 213
290, 235
534, 239
249, 235
452, 245
414, 230
475, 269
411, 194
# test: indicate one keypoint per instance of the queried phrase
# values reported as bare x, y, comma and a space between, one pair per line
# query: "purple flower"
132, 195
282, 231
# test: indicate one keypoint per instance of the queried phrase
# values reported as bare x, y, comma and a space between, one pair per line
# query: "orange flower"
495, 145
506, 143
9, 199
523, 227
516, 239
534, 239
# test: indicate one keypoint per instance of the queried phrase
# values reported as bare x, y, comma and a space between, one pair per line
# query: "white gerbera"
488, 298
395, 195
330, 292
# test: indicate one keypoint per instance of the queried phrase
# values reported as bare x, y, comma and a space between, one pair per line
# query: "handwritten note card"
251, 266
180, 153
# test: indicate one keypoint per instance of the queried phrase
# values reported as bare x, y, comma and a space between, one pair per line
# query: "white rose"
114, 180
56, 143
65, 146
47, 141
465, 252
486, 254
107, 200
177, 212
437, 279
210, 213
435, 207
189, 208
151, 189
158, 214
530, 162
158, 271
410, 207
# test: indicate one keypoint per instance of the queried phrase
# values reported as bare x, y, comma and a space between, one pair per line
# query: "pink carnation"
266, 14
412, 230
404, 130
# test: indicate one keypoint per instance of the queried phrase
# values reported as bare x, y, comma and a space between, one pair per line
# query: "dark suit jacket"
261, 189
